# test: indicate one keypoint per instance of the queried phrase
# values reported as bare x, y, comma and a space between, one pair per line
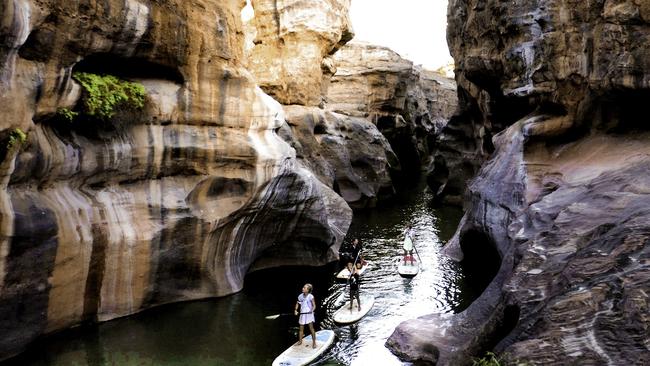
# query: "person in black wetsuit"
357, 250
345, 254
353, 281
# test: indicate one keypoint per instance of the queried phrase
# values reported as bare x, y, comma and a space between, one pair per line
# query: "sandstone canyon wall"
171, 203
293, 41
290, 55
555, 91
409, 105
338, 96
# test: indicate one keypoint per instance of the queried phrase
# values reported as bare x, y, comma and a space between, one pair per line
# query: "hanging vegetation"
103, 96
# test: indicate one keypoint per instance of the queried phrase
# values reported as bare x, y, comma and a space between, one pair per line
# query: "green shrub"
66, 114
490, 359
17, 137
504, 359
104, 93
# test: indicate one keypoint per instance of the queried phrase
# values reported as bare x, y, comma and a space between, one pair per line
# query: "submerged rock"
101, 219
564, 197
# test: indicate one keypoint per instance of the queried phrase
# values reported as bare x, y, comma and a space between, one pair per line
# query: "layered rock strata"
564, 197
409, 105
176, 202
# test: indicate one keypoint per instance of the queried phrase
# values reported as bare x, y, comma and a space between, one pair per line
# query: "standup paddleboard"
406, 269
346, 316
302, 354
345, 274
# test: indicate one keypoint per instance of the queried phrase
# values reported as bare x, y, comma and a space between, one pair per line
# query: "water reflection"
233, 331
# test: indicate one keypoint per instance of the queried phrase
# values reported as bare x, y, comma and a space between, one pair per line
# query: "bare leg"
359, 302
301, 332
313, 335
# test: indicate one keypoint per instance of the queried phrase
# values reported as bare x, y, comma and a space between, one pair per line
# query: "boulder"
346, 153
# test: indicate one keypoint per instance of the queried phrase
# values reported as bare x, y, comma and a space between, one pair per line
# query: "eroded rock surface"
346, 153
172, 203
292, 44
564, 196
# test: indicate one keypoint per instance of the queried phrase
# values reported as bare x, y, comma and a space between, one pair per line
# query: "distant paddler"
353, 252
357, 251
407, 245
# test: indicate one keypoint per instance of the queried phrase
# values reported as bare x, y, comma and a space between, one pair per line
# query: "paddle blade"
271, 317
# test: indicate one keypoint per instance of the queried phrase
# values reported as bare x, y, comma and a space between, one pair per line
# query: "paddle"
416, 252
354, 266
275, 316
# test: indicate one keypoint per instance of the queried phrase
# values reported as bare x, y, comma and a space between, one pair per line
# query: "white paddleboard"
406, 269
303, 354
345, 274
346, 316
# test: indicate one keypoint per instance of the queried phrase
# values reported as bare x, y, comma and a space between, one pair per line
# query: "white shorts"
306, 319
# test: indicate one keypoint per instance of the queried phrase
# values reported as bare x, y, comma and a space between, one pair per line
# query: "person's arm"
295, 311
313, 304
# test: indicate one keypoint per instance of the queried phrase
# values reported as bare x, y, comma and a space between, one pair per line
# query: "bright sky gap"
416, 29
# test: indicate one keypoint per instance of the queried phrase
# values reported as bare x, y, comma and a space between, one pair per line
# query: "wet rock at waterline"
408, 105
564, 198
173, 202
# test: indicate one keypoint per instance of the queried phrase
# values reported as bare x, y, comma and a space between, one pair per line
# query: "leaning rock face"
514, 58
564, 197
292, 43
369, 80
581, 285
409, 105
172, 203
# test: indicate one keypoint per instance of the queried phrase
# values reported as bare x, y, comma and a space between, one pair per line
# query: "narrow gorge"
159, 151
551, 142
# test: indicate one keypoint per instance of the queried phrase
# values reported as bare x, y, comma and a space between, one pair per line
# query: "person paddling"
408, 244
353, 282
357, 252
305, 307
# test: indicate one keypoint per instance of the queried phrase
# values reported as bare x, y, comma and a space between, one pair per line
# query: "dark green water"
234, 331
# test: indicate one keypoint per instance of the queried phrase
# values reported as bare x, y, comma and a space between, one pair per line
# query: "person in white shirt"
305, 307
408, 245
